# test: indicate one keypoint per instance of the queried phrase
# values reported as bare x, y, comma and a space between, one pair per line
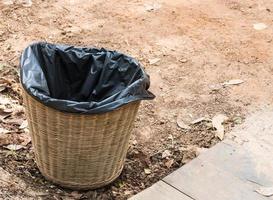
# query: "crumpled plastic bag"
82, 80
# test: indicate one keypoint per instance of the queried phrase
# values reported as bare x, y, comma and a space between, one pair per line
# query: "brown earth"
197, 46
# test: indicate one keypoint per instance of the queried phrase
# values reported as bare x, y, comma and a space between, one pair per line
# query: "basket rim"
34, 98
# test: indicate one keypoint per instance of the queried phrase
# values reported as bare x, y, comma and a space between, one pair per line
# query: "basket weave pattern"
79, 151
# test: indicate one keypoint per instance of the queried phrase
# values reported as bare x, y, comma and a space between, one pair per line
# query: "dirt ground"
188, 47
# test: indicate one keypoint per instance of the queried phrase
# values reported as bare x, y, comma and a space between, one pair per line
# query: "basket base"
77, 186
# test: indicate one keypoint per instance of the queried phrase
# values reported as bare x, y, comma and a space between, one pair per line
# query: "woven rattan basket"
79, 151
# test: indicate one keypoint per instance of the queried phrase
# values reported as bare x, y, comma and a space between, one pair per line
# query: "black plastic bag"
82, 80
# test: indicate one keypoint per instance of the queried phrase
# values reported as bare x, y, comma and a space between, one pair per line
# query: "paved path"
231, 170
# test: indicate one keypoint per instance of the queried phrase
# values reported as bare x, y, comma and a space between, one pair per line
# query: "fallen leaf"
147, 171
127, 192
169, 163
27, 3
237, 120
4, 110
14, 147
200, 150
23, 125
216, 87
18, 108
4, 113
75, 195
166, 153
152, 7
183, 60
181, 123
2, 66
2, 87
154, 61
134, 142
170, 137
265, 191
201, 119
4, 100
188, 156
4, 131
233, 82
14, 120
25, 138
217, 122
259, 26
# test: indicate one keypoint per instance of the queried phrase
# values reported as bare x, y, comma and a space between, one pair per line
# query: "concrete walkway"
231, 170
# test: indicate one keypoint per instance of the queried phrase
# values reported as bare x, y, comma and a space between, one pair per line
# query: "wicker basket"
79, 151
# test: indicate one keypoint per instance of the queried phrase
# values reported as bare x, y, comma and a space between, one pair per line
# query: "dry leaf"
127, 192
6, 139
216, 87
181, 123
201, 119
233, 82
2, 87
18, 108
4, 131
4, 114
170, 137
169, 163
134, 142
259, 26
154, 61
23, 125
265, 191
152, 7
217, 122
183, 60
75, 195
4, 110
25, 138
4, 100
200, 150
237, 120
166, 153
14, 147
147, 171
188, 156
14, 120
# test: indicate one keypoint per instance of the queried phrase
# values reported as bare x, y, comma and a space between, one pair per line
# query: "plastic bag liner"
82, 80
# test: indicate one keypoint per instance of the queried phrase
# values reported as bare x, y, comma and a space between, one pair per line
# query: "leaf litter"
217, 123
23, 125
233, 82
14, 147
199, 120
181, 123
259, 26
166, 154
154, 61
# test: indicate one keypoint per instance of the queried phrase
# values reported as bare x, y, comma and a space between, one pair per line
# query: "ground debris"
169, 163
14, 147
147, 171
166, 154
233, 82
152, 7
217, 123
154, 61
201, 119
181, 123
265, 191
259, 26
